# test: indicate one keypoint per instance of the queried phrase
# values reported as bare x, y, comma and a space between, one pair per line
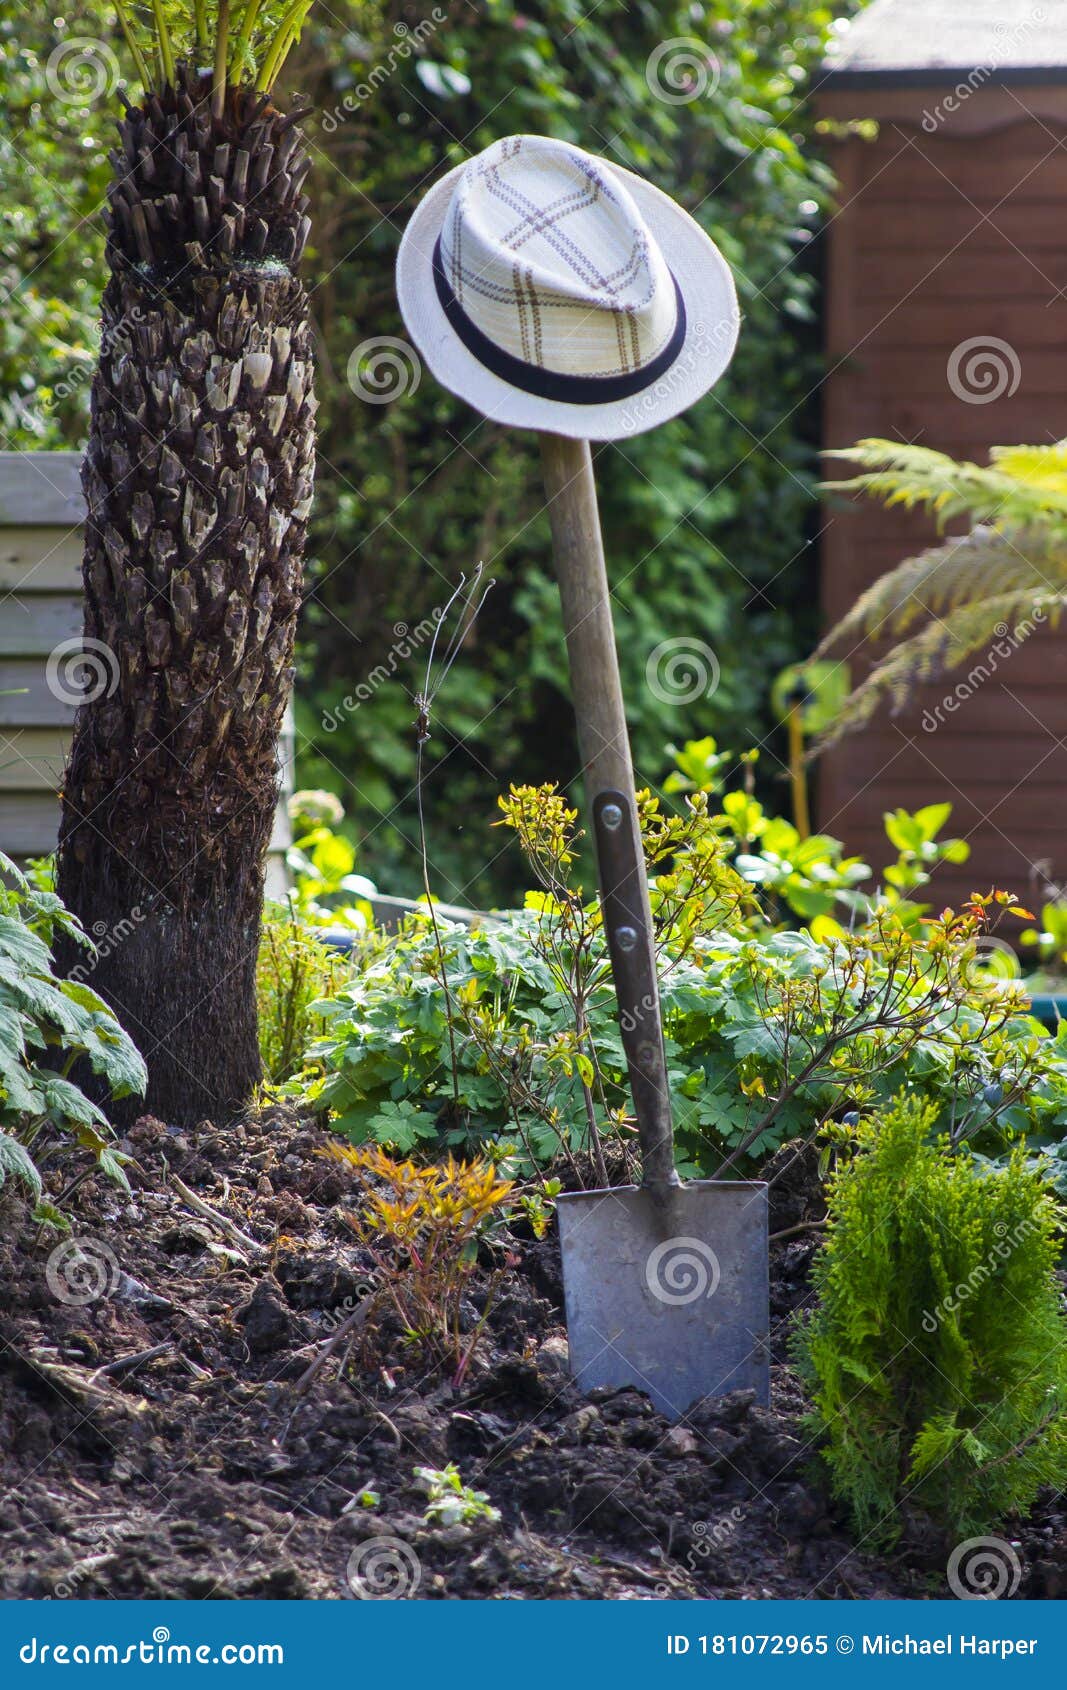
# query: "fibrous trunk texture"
198, 479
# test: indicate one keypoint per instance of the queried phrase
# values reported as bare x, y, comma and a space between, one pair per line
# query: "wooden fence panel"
41, 515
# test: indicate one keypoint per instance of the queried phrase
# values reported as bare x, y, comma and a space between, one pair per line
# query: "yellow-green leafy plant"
293, 970
422, 1225
984, 591
449, 1502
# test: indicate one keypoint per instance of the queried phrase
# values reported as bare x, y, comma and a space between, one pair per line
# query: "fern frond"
919, 478
988, 624
1041, 469
980, 565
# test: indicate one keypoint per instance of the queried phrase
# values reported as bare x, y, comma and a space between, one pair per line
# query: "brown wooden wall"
943, 237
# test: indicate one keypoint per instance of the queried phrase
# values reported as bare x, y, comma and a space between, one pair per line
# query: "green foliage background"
707, 520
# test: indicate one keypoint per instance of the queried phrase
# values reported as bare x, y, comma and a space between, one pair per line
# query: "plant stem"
278, 51
131, 41
218, 85
449, 1019
166, 51
798, 778
244, 36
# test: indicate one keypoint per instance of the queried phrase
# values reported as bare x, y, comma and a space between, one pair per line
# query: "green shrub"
510, 1032
294, 969
808, 875
937, 1354
46, 1026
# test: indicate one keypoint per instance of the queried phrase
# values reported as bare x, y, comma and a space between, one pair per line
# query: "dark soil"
205, 1468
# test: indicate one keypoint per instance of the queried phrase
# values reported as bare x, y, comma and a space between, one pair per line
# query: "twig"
224, 1224
127, 1364
791, 1231
356, 1318
424, 702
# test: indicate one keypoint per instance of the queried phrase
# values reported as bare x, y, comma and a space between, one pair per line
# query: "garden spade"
666, 1283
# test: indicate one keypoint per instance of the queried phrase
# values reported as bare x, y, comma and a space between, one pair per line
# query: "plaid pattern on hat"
548, 257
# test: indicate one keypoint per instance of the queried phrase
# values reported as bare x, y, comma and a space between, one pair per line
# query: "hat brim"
702, 275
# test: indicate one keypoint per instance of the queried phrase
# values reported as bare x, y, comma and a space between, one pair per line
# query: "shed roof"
922, 42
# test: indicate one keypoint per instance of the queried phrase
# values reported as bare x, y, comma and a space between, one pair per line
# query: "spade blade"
668, 1292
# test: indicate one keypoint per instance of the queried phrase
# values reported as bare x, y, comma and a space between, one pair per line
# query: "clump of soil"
161, 1438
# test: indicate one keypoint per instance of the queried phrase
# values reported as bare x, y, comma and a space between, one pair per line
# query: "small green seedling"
451, 1502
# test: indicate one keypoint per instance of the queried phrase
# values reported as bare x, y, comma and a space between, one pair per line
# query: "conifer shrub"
937, 1354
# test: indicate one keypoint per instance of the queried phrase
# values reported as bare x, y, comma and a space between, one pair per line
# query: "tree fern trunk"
198, 479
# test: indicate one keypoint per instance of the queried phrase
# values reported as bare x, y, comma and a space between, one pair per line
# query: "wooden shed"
41, 516
946, 325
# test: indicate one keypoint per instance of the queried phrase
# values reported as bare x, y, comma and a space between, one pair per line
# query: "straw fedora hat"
553, 290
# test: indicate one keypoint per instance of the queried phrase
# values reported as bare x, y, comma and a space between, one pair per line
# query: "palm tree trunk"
198, 479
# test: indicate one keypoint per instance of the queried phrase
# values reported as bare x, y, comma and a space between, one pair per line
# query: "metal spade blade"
666, 1284
670, 1296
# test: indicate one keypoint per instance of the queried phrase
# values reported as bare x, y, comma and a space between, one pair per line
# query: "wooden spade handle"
583, 589
624, 898
607, 769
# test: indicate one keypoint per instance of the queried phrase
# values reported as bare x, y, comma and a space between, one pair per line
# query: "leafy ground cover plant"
511, 1029
768, 1032
937, 1354
47, 1025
